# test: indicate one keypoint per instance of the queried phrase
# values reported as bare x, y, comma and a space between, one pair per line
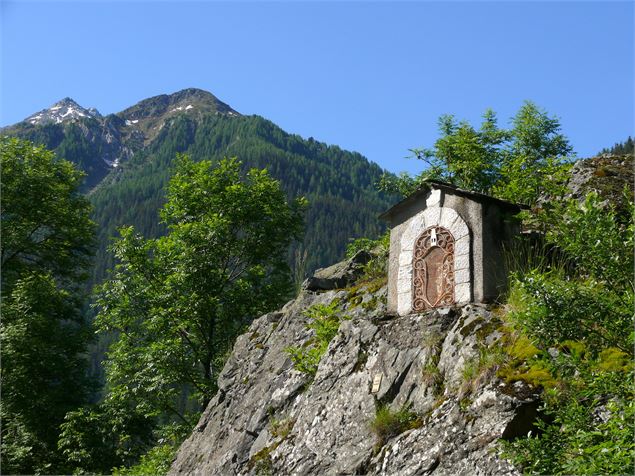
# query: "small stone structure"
446, 248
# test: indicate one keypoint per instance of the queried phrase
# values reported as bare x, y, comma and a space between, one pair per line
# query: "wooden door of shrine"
433, 269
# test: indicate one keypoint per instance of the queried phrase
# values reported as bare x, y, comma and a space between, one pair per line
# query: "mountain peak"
193, 93
185, 101
64, 110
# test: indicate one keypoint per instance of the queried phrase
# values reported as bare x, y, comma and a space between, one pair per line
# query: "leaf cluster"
47, 238
580, 318
587, 418
388, 423
520, 164
324, 320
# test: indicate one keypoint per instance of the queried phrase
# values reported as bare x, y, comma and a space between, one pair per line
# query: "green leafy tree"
46, 246
176, 303
96, 439
517, 164
535, 161
464, 156
46, 223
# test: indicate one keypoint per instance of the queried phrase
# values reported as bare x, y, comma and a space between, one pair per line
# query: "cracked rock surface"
327, 419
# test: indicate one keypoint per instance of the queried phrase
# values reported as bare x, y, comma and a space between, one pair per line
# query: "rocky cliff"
391, 395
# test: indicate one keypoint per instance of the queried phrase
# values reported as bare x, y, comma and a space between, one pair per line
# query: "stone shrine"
447, 248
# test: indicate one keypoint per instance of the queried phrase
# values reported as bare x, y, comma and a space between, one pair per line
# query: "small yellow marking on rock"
376, 383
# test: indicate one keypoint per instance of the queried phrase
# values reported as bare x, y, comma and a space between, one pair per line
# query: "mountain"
128, 156
64, 110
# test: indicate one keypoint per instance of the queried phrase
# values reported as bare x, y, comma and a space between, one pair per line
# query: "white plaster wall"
434, 215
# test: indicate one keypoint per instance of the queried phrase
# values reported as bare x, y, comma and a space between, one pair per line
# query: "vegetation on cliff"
577, 311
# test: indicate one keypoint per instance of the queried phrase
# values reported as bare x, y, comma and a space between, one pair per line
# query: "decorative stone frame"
434, 215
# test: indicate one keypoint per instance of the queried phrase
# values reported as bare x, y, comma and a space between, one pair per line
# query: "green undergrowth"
155, 462
573, 328
588, 414
431, 376
325, 320
158, 459
279, 428
388, 423
376, 268
355, 294
261, 463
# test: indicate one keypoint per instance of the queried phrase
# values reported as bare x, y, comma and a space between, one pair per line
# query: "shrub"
325, 320
590, 429
155, 462
553, 308
577, 322
597, 239
389, 423
280, 427
481, 369
376, 268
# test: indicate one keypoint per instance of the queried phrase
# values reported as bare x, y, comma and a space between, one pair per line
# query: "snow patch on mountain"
181, 108
64, 110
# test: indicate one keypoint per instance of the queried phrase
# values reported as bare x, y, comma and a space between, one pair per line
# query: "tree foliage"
46, 224
517, 164
46, 246
96, 439
177, 302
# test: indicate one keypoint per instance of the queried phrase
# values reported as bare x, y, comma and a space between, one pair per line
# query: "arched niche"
434, 217
433, 269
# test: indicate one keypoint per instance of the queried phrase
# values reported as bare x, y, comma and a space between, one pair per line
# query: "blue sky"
367, 76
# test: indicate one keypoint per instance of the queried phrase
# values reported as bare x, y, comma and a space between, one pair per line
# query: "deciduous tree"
177, 302
46, 245
517, 164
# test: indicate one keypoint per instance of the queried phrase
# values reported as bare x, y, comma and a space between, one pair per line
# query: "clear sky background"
368, 76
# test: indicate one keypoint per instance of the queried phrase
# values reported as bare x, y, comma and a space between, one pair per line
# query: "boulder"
339, 275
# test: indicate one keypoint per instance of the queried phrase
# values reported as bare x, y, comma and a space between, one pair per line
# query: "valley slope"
128, 158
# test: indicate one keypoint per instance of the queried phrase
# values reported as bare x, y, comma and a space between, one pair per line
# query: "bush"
590, 429
376, 268
578, 344
598, 240
552, 308
389, 423
480, 369
157, 461
325, 321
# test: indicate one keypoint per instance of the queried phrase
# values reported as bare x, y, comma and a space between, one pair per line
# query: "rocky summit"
65, 110
268, 417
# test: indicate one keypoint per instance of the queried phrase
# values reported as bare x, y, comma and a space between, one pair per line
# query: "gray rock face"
607, 175
269, 418
339, 275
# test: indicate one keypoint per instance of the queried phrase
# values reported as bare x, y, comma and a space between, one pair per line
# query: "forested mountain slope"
128, 157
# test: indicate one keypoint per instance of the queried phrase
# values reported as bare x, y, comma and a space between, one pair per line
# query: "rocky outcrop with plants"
540, 383
331, 384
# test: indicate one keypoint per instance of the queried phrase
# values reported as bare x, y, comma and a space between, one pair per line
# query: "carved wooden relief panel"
433, 269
